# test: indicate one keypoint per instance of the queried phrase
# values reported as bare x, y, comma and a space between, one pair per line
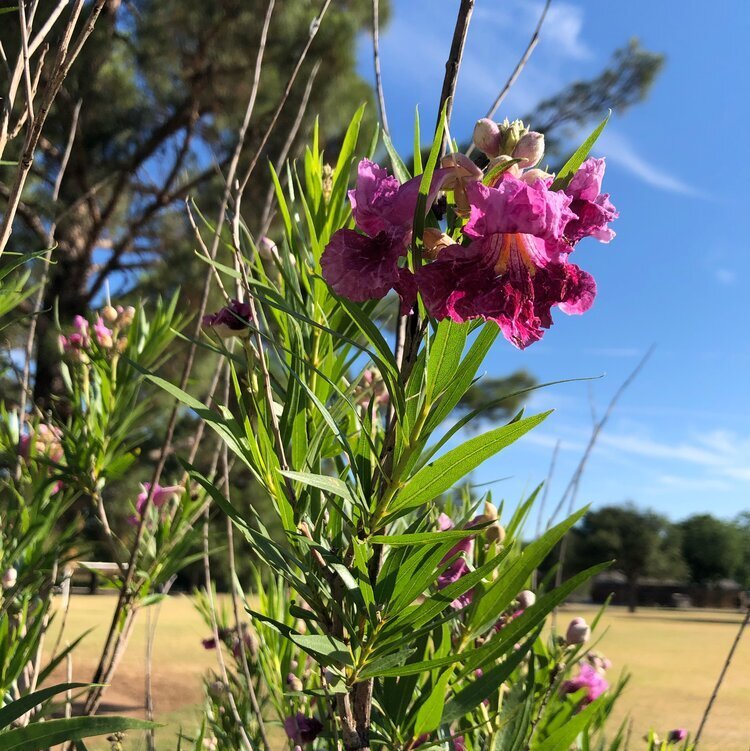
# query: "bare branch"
376, 63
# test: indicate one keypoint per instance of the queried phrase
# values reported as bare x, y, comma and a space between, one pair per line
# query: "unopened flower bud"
10, 577
464, 171
530, 176
495, 533
294, 683
267, 249
530, 148
487, 137
503, 159
122, 344
327, 180
435, 241
109, 314
526, 599
578, 632
490, 511
126, 316
511, 134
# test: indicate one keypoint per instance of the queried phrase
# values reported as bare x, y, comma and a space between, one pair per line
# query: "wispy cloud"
727, 277
620, 151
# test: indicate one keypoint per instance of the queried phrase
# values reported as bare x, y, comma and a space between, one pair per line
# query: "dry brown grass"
674, 658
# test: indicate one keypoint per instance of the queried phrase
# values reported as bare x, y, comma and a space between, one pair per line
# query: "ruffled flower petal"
592, 208
513, 206
365, 268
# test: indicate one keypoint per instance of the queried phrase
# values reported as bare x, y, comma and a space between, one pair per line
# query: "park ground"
674, 658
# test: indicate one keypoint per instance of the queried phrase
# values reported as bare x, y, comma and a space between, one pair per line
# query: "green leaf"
424, 538
21, 706
565, 175
41, 735
430, 712
446, 348
326, 483
565, 736
463, 376
426, 181
400, 170
434, 479
485, 686
326, 649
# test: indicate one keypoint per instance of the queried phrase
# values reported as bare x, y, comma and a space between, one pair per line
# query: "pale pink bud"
526, 599
267, 249
294, 683
579, 632
532, 175
109, 314
530, 148
435, 241
125, 316
487, 136
495, 533
10, 577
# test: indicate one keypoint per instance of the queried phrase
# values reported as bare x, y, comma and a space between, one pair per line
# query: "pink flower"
302, 729
592, 208
464, 548
161, 495
231, 320
588, 678
102, 333
516, 268
366, 266
677, 735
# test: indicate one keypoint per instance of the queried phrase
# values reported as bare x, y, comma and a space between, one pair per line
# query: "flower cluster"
511, 264
77, 345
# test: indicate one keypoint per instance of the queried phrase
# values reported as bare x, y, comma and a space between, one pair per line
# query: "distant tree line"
700, 549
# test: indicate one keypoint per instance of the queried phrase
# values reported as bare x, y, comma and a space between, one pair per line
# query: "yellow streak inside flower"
513, 250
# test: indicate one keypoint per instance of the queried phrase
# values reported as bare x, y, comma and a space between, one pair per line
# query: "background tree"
642, 543
712, 548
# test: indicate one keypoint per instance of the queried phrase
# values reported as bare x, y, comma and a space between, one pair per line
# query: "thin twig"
236, 608
571, 491
67, 53
518, 69
266, 217
314, 27
723, 673
453, 64
215, 626
376, 63
26, 63
39, 301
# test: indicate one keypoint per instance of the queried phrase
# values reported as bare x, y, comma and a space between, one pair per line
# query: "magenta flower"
515, 269
302, 729
677, 735
458, 568
231, 320
161, 495
588, 678
366, 266
592, 208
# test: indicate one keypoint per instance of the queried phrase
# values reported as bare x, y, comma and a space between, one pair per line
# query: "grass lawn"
674, 658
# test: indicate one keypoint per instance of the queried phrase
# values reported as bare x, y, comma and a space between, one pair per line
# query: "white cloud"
621, 152
561, 32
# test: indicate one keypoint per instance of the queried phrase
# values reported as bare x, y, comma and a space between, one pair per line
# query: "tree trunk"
632, 594
66, 295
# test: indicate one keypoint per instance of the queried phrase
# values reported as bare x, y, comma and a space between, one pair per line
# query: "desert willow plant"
421, 624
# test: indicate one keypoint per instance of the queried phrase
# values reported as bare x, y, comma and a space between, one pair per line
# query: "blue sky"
680, 440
